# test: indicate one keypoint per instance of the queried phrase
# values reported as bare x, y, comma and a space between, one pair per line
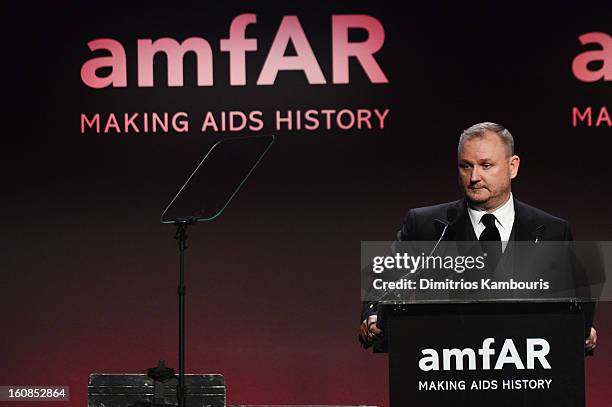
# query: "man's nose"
474, 175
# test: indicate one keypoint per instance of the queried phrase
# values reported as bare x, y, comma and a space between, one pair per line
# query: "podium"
498, 353
464, 330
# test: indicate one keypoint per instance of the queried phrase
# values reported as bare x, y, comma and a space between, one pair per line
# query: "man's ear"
515, 162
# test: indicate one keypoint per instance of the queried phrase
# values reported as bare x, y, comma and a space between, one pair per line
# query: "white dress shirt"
504, 219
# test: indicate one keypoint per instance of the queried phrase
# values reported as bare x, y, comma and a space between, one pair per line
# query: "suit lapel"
525, 229
461, 228
461, 231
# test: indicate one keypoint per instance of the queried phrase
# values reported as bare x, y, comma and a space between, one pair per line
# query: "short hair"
480, 129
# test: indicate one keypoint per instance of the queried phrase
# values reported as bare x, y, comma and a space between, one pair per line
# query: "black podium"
501, 353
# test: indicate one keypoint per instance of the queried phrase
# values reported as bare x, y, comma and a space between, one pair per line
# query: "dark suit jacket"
529, 224
427, 224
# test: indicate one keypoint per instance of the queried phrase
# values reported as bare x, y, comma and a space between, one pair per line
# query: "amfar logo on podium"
537, 348
237, 45
453, 360
592, 116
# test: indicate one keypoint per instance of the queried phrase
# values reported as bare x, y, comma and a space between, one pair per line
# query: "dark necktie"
490, 240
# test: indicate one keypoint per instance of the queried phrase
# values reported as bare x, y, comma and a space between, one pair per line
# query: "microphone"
451, 215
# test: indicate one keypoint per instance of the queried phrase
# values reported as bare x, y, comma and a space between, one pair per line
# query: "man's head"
486, 165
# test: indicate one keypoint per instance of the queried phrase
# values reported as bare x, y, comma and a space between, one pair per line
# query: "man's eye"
486, 166
465, 166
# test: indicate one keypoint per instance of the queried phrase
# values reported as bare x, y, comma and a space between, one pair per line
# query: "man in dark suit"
488, 213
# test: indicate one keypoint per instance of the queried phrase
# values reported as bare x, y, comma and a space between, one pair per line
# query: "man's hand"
368, 331
591, 342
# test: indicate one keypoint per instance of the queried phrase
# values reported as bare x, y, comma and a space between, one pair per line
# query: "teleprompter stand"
203, 197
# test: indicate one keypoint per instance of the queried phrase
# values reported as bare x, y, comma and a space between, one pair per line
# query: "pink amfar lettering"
237, 45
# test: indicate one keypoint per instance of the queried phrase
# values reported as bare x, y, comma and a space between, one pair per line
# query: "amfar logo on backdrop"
237, 45
583, 69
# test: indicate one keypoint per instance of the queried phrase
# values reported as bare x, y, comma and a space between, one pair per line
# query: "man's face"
485, 171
